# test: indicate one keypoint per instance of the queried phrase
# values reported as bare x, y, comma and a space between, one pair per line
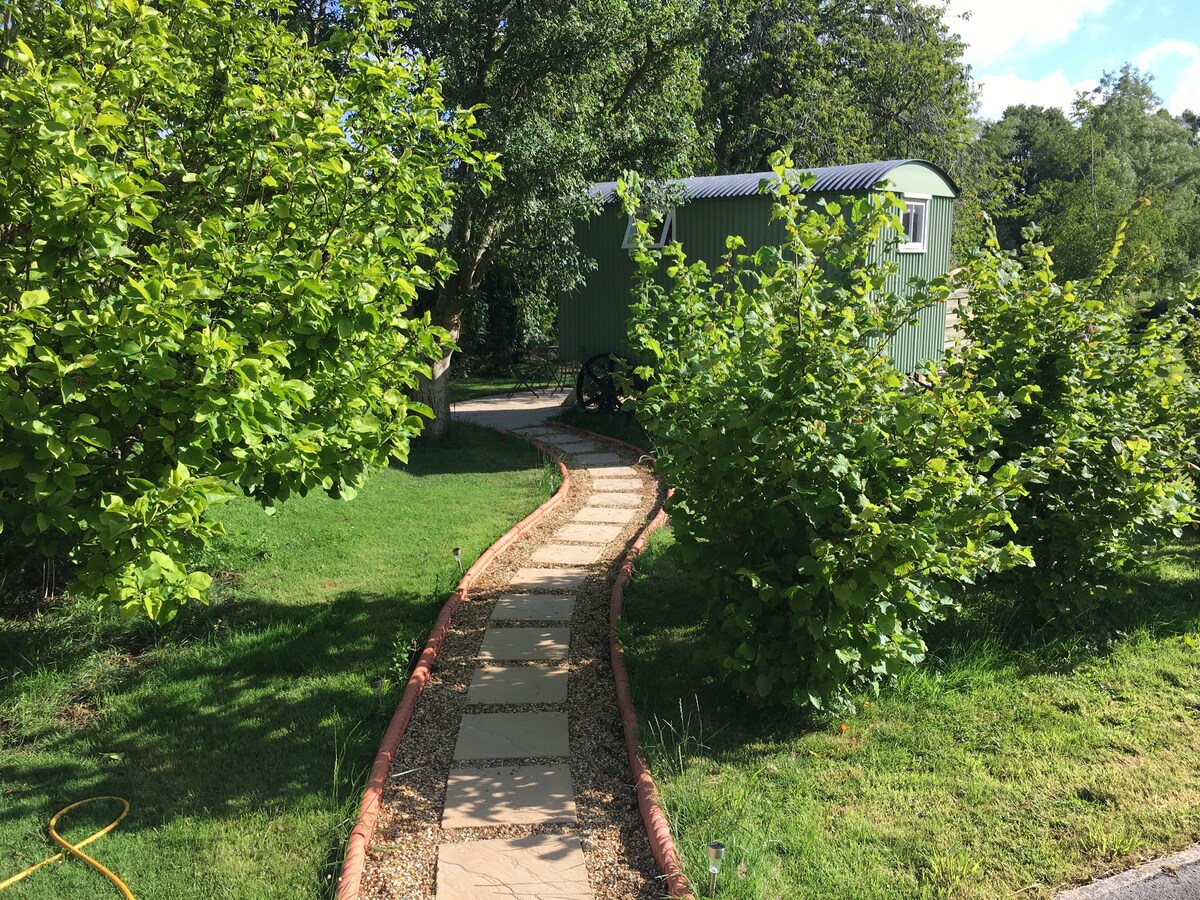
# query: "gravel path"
523, 829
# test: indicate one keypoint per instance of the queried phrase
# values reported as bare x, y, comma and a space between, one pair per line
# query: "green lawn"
470, 388
241, 734
1017, 761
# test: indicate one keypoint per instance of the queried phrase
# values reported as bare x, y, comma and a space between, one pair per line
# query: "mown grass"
1017, 761
241, 733
471, 388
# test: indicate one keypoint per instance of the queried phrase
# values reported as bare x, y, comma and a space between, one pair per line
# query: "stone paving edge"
349, 881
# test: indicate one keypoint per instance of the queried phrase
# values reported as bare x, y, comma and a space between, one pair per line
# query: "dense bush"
208, 244
1106, 413
831, 505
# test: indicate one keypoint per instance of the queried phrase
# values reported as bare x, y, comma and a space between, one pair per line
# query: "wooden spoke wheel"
596, 385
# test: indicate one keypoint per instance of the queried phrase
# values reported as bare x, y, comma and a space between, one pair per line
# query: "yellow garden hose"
73, 849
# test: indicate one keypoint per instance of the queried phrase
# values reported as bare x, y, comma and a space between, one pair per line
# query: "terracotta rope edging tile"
349, 881
658, 829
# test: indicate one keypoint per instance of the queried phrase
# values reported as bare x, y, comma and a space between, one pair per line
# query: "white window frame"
921, 244
668, 233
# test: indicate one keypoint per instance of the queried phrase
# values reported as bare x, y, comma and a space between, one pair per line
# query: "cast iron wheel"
595, 386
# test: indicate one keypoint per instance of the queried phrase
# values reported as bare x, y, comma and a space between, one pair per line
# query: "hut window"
660, 235
915, 221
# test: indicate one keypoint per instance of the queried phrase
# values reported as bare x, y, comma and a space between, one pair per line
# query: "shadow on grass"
676, 687
1162, 600
468, 449
277, 719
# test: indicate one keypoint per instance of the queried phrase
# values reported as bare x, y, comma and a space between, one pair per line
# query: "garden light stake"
716, 853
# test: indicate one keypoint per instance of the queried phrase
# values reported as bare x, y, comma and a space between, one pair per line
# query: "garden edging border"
349, 882
658, 829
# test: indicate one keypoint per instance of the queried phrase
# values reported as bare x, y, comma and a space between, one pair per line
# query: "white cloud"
995, 30
1187, 91
998, 92
1179, 61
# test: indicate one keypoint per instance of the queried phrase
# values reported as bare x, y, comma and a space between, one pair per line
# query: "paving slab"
537, 431
567, 555
525, 643
539, 867
512, 735
606, 514
588, 534
563, 437
578, 446
614, 499
613, 471
617, 484
513, 795
518, 684
561, 579
522, 410
599, 459
533, 608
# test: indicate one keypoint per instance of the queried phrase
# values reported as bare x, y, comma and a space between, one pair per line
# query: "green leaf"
34, 299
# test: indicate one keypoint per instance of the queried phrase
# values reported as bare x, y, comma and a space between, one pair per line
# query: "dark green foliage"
506, 315
841, 82
1078, 177
567, 94
830, 504
1105, 414
208, 247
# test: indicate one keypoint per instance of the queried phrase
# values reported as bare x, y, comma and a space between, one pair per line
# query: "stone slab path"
511, 780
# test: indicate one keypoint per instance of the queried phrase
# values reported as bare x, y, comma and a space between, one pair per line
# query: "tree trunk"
435, 393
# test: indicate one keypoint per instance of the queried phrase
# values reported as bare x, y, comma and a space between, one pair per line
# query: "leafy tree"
1040, 144
840, 81
830, 504
1104, 416
566, 94
209, 247
1077, 179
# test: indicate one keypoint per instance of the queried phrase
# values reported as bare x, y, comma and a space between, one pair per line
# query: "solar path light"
716, 853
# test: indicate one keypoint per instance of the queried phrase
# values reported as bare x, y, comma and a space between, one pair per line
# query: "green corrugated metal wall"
594, 318
927, 339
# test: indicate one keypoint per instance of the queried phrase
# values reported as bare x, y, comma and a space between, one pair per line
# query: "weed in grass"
1105, 844
343, 806
405, 653
551, 474
674, 743
950, 877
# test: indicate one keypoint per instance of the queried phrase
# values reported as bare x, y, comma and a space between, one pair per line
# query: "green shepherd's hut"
593, 320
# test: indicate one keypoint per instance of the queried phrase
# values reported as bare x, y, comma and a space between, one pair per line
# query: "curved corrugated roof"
830, 179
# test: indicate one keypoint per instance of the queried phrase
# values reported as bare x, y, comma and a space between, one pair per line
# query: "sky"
1041, 52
